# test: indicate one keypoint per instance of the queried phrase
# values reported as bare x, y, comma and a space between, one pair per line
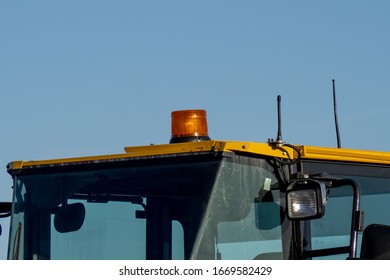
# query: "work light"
306, 199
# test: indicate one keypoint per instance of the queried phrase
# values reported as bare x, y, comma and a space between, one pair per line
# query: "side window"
333, 229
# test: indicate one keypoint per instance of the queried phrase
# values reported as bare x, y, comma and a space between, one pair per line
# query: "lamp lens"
302, 203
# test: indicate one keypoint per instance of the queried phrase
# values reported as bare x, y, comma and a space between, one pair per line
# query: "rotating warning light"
189, 126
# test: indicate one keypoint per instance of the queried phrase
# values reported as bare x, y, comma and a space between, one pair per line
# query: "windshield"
196, 206
245, 216
144, 209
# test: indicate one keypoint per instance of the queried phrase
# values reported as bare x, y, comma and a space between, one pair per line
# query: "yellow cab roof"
215, 146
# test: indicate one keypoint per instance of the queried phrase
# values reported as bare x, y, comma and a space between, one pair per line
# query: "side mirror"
376, 243
306, 199
69, 217
5, 209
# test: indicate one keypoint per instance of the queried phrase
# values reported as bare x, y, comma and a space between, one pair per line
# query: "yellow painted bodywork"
346, 155
216, 146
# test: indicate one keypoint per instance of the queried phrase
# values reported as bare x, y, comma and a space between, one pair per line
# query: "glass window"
110, 231
147, 210
334, 228
244, 218
177, 241
16, 237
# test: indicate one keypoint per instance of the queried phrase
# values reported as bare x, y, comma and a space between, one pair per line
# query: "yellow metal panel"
208, 146
214, 146
131, 152
166, 149
15, 165
259, 149
342, 154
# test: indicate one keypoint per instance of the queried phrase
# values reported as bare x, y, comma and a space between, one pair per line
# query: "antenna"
278, 143
335, 114
279, 135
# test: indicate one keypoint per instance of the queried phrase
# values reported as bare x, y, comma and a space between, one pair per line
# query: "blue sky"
80, 78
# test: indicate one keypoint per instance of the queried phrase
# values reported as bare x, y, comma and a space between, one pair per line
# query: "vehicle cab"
198, 198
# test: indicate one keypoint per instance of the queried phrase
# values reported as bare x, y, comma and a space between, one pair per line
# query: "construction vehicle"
197, 198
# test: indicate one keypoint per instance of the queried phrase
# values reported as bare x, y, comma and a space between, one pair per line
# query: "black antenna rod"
335, 114
279, 136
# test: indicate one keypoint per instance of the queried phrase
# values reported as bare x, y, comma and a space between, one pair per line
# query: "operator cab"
198, 198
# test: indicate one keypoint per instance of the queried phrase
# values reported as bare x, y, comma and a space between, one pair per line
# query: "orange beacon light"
189, 126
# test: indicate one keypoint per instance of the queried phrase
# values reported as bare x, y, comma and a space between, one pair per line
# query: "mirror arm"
357, 214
